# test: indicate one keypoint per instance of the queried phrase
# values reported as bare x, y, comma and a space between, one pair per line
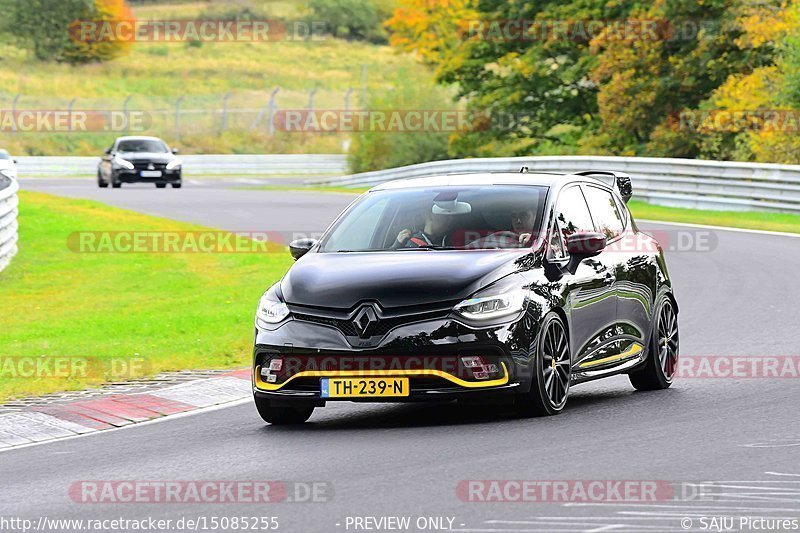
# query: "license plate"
364, 387
151, 173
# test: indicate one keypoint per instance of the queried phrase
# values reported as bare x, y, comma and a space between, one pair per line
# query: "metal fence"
8, 220
176, 117
720, 185
199, 165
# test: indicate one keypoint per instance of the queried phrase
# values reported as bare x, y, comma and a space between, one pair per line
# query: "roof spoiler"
622, 182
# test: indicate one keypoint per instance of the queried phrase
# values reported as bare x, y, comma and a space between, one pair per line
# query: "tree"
47, 28
352, 19
526, 66
430, 28
376, 149
561, 85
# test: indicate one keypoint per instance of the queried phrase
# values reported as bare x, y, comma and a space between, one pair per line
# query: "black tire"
282, 415
161, 185
662, 353
177, 185
100, 183
552, 371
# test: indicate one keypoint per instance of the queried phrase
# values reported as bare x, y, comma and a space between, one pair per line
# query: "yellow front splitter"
262, 385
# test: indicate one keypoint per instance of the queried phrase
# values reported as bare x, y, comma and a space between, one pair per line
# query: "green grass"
782, 222
155, 75
175, 311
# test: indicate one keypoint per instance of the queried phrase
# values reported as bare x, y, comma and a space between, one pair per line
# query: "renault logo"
151, 166
365, 321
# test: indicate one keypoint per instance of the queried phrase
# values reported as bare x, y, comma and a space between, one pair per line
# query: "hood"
155, 157
394, 279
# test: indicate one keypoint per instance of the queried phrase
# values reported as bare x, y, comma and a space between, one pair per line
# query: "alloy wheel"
668, 340
556, 370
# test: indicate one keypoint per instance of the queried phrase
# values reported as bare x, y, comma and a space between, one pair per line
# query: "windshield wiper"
426, 247
430, 247
357, 251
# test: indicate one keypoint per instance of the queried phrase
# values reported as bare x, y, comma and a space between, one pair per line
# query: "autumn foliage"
46, 27
716, 79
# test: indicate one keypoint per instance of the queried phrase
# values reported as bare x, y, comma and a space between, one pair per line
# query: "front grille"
381, 328
345, 326
143, 165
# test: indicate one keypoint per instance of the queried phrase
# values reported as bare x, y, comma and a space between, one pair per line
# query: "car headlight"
124, 163
271, 309
175, 163
490, 306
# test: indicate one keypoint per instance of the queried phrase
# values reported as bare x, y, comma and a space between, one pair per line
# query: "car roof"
542, 179
138, 138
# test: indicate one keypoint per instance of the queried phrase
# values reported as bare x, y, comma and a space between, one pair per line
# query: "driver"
522, 225
433, 233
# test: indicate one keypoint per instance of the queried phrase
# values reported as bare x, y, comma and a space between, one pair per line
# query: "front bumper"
427, 353
134, 176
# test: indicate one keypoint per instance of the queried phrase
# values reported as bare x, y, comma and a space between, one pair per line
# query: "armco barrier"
198, 165
8, 220
721, 185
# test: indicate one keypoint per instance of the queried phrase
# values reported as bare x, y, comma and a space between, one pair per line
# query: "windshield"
4, 155
142, 145
466, 218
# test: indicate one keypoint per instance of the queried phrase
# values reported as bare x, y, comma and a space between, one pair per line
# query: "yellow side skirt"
634, 350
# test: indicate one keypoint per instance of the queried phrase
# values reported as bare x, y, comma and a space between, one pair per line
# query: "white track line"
720, 228
683, 506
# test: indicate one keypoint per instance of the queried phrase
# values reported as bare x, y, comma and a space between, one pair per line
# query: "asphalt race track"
738, 438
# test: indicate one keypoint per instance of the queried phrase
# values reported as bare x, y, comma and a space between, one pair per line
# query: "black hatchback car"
139, 159
482, 287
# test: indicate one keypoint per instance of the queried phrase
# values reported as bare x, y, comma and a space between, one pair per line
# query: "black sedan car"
139, 159
505, 288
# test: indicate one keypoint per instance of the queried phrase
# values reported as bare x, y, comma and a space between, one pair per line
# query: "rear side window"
604, 212
573, 213
572, 216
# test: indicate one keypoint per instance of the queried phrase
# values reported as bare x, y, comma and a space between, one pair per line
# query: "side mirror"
175, 151
586, 244
300, 247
